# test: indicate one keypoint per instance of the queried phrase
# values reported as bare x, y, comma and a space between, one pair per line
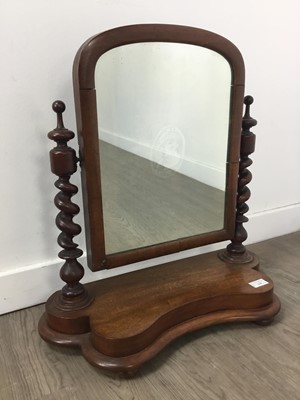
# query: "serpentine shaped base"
134, 316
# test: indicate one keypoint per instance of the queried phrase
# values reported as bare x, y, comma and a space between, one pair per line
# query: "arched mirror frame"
87, 126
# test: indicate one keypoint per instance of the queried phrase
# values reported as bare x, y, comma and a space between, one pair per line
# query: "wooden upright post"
63, 164
236, 252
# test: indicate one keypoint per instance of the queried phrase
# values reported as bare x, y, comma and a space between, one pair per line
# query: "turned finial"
248, 121
59, 107
248, 100
60, 134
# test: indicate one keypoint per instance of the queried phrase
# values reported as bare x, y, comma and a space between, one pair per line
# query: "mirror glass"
163, 117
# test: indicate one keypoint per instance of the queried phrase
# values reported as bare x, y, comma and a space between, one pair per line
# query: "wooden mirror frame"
88, 136
121, 322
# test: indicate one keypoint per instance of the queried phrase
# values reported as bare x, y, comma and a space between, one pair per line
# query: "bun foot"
264, 322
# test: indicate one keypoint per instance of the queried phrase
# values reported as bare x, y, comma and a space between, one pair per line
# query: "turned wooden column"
236, 251
63, 160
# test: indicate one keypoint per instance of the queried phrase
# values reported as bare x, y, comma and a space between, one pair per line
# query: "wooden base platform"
135, 315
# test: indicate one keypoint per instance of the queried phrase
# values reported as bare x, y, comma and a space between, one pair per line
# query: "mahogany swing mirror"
164, 152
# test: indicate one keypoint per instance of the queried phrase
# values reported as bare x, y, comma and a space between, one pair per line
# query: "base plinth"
135, 315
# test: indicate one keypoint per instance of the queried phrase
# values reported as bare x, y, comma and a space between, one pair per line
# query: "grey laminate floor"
233, 362
145, 203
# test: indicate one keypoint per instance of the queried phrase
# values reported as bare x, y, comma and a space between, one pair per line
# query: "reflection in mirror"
163, 116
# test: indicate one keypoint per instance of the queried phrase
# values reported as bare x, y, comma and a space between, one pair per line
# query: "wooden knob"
248, 100
58, 106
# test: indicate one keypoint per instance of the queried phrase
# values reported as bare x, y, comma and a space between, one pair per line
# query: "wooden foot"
134, 316
264, 322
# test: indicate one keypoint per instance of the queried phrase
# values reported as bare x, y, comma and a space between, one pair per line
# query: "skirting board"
28, 286
209, 174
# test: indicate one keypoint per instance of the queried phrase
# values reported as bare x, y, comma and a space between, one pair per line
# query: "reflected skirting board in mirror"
164, 157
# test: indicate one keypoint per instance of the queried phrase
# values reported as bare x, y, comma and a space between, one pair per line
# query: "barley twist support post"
63, 160
236, 252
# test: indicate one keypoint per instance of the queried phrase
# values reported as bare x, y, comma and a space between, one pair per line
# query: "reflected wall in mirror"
163, 112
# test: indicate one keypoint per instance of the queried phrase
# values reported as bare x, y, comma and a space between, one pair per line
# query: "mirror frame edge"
85, 101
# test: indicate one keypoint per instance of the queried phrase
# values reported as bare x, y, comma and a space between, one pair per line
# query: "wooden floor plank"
142, 207
232, 362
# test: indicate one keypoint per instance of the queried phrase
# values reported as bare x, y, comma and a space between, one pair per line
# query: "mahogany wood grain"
135, 315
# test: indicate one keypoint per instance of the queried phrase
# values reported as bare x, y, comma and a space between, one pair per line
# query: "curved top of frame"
89, 53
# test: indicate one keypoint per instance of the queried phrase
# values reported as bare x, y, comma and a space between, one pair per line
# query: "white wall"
39, 39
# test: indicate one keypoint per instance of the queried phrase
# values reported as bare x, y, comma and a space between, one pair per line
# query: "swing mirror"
159, 112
